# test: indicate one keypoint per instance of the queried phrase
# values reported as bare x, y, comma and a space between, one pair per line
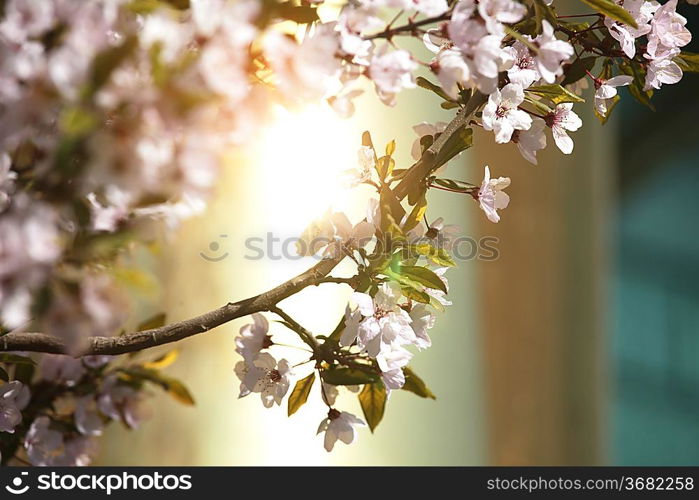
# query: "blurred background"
577, 345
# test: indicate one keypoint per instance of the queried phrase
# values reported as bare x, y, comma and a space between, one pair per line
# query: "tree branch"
267, 301
41, 342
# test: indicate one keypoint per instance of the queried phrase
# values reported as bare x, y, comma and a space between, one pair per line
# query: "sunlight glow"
302, 157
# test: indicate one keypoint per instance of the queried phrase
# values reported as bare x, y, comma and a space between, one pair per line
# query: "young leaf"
163, 361
688, 61
416, 385
459, 141
424, 276
106, 62
578, 69
437, 255
16, 359
416, 214
416, 295
299, 395
349, 376
390, 148
612, 10
455, 185
426, 84
555, 93
169, 384
373, 402
384, 167
155, 321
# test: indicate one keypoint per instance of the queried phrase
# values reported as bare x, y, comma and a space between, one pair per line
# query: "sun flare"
302, 157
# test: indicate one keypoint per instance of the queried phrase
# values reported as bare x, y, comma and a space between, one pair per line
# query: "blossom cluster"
53, 415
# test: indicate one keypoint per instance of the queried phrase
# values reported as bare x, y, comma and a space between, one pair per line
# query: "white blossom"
491, 196
383, 322
120, 402
339, 425
265, 376
14, 397
552, 53
563, 120
253, 338
523, 71
391, 72
531, 141
607, 90
501, 113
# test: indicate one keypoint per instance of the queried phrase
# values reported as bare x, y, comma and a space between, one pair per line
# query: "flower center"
380, 312
501, 111
525, 62
275, 376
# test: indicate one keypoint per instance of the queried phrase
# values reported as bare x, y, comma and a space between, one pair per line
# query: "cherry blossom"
523, 71
502, 115
491, 196
531, 141
563, 120
253, 338
14, 397
551, 54
607, 89
339, 426
384, 322
265, 376
391, 72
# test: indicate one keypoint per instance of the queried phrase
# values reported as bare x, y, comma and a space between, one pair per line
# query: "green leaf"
456, 185
636, 88
16, 359
612, 10
299, 395
373, 402
349, 376
416, 385
555, 93
539, 106
155, 321
416, 214
437, 255
4, 375
578, 69
384, 167
457, 142
688, 61
416, 295
171, 385
107, 61
391, 212
76, 121
162, 361
424, 276
426, 84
